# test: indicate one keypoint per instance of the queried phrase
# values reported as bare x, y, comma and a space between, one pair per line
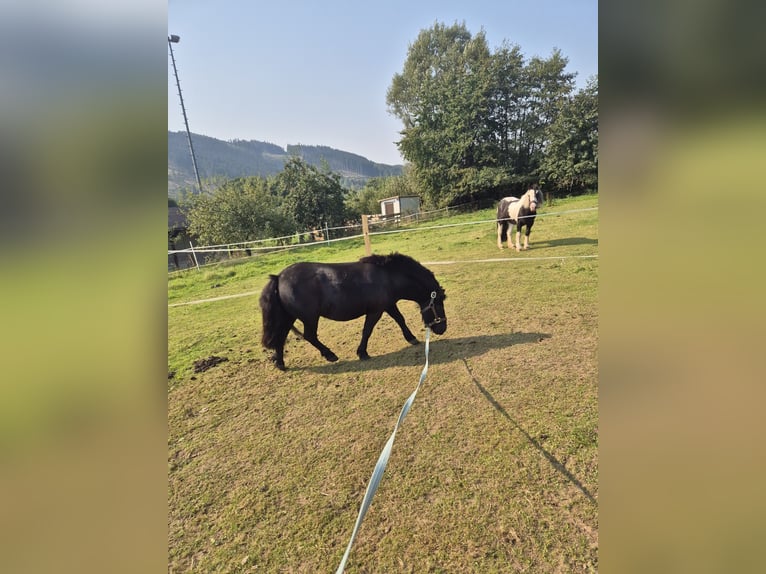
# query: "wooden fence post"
194, 255
366, 232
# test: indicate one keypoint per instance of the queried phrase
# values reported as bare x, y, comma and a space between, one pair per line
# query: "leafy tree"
509, 89
310, 196
402, 185
367, 199
475, 122
547, 87
242, 209
571, 155
442, 96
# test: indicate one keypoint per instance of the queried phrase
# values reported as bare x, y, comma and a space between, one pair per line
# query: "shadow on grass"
564, 242
552, 459
443, 350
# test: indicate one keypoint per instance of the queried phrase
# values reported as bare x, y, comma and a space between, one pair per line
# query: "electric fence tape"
380, 467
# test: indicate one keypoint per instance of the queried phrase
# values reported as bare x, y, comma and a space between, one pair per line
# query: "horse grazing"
519, 212
345, 291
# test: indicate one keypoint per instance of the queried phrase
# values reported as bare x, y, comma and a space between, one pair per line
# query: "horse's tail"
276, 321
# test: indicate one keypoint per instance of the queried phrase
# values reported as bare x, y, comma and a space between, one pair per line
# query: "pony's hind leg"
511, 227
499, 235
310, 334
278, 357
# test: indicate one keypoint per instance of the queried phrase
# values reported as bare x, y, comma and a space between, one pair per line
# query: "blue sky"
316, 73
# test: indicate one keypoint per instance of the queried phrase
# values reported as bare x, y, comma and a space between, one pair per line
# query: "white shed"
400, 205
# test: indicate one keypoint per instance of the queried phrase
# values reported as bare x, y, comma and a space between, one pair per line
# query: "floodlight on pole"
173, 39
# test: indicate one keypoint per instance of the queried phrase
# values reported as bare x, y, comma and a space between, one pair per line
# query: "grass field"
495, 469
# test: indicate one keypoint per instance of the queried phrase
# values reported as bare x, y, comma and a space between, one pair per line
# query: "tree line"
218, 159
300, 198
476, 124
481, 123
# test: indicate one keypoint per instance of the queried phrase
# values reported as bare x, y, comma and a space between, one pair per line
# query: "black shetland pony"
519, 212
345, 291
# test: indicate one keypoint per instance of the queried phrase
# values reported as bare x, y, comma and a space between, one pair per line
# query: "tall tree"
509, 89
571, 155
310, 196
442, 96
475, 122
547, 87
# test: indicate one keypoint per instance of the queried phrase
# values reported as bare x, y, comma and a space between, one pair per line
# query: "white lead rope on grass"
380, 467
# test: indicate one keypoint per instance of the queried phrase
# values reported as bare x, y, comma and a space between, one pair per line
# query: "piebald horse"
519, 212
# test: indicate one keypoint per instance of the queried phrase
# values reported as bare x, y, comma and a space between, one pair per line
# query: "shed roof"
400, 197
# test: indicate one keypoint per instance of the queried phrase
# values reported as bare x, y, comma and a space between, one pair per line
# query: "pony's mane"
531, 193
395, 260
527, 197
406, 265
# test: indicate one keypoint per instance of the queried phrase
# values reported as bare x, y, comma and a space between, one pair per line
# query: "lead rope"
380, 467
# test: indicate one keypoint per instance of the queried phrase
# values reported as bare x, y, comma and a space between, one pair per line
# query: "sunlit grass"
494, 470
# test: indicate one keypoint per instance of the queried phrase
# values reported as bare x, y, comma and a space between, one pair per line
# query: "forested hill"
239, 158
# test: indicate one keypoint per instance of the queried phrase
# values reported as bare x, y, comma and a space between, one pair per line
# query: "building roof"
400, 197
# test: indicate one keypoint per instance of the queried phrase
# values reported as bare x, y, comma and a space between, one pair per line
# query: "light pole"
173, 39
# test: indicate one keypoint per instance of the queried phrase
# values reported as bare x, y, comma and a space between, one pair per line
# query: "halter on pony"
430, 307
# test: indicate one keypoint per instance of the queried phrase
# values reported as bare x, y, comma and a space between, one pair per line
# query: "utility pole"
173, 39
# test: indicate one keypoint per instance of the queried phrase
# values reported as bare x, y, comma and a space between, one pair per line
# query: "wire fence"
199, 256
186, 255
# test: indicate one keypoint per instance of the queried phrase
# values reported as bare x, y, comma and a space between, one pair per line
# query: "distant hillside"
240, 158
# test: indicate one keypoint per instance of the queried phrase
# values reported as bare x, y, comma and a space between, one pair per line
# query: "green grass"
495, 468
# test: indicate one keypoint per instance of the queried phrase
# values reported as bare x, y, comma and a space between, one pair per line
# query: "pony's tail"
276, 321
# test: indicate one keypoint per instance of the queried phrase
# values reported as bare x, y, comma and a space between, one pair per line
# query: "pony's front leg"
518, 239
510, 236
526, 240
397, 316
310, 335
369, 322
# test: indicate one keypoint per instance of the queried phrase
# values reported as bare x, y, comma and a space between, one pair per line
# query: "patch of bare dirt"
205, 364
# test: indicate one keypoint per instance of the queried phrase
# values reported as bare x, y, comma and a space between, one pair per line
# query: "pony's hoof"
278, 363
413, 341
363, 357
332, 357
